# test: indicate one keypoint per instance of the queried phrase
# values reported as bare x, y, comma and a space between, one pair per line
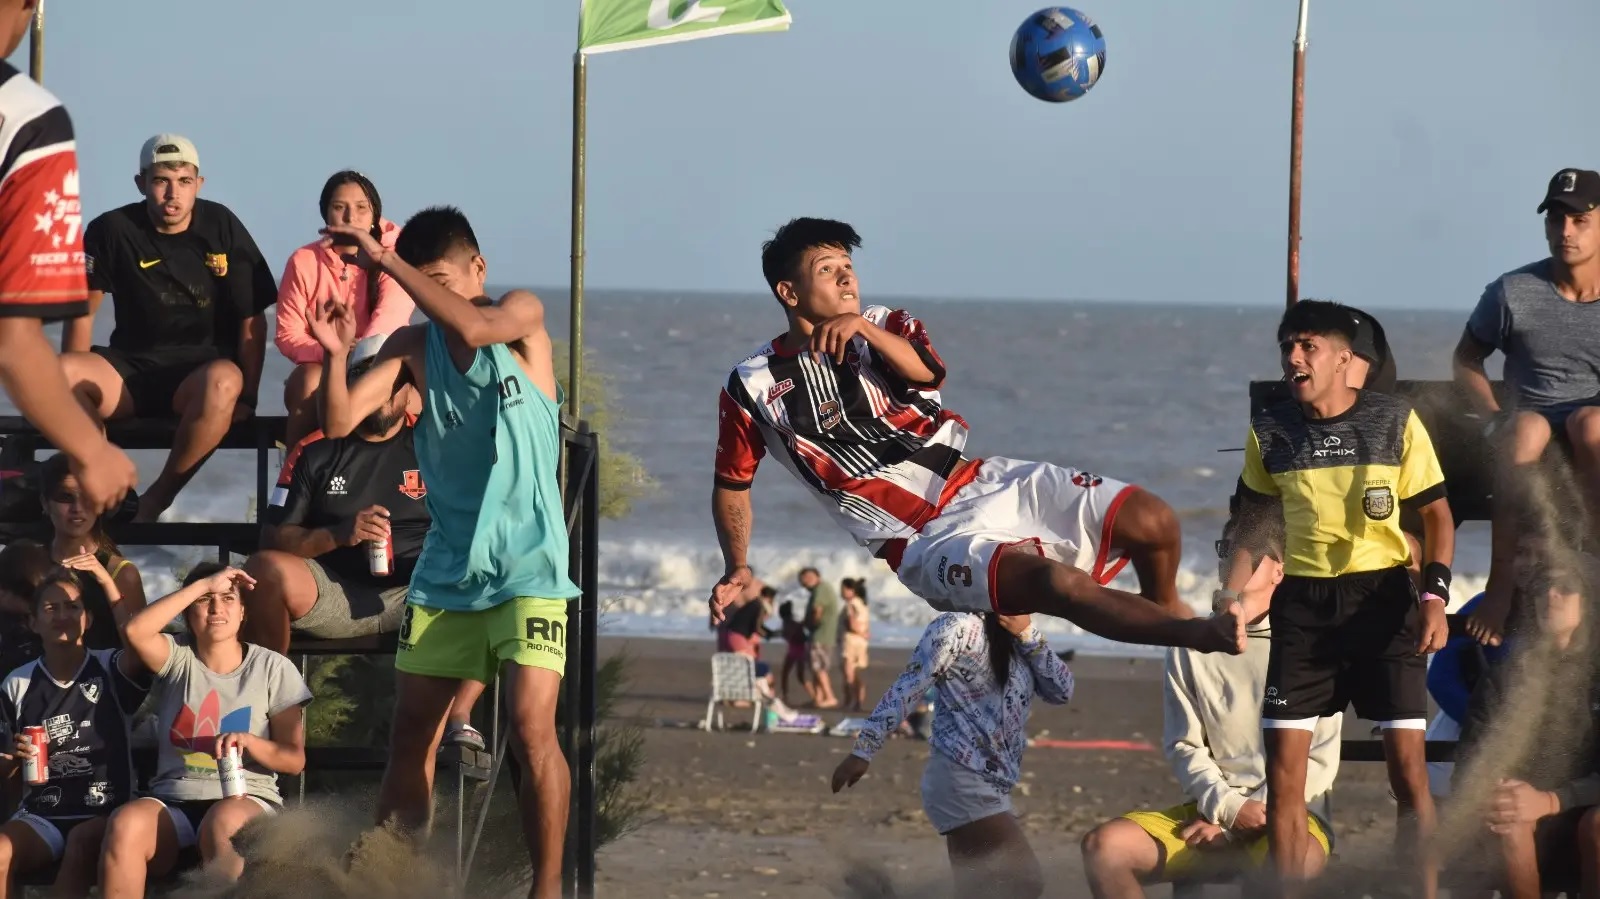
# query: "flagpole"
1296, 141
36, 45
580, 84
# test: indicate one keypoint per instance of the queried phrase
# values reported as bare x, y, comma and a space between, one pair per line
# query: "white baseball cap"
168, 149
366, 349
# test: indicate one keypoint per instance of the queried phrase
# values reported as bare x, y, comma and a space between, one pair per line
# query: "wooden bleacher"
20, 445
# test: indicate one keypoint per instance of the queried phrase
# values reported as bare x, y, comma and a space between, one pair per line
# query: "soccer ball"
1058, 54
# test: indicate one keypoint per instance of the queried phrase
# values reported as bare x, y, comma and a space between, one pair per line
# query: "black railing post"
589, 656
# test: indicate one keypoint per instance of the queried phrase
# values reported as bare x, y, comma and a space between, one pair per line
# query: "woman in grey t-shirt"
212, 692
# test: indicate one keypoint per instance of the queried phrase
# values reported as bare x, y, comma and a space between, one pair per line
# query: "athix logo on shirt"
197, 731
1331, 447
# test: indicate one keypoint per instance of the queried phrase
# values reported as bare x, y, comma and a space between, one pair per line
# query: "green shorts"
524, 631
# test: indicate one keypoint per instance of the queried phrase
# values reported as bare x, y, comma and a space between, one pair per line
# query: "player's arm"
252, 357
77, 334
1188, 750
740, 447
901, 341
1486, 331
345, 405
1258, 518
31, 373
1421, 487
1052, 679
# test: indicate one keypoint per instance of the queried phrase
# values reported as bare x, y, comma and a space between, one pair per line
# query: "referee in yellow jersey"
1332, 468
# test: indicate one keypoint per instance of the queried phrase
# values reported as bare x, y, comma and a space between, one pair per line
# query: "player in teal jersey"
490, 589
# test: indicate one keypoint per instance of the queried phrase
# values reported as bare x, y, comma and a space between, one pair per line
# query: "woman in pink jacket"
316, 274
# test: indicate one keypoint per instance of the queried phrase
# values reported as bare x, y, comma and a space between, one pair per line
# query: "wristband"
1436, 580
1426, 597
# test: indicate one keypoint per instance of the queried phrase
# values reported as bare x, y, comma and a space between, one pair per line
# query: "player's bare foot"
1486, 623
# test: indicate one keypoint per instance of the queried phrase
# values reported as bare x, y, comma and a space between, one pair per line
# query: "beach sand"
737, 814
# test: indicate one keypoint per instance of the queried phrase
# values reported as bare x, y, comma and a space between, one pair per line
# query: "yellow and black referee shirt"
1341, 481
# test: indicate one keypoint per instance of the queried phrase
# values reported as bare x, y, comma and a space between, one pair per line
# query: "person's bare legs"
991, 857
546, 782
1288, 833
299, 399
21, 850
80, 861
1027, 583
284, 591
1405, 755
98, 387
1146, 529
1118, 856
140, 842
1583, 432
217, 829
1520, 863
204, 404
465, 699
420, 706
1521, 449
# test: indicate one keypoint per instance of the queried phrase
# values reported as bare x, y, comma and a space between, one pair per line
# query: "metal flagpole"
36, 45
1296, 141
580, 78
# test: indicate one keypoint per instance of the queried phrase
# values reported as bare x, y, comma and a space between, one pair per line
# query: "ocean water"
1154, 394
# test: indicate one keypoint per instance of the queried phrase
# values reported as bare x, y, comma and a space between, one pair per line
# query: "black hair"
51, 474
66, 577
809, 570
350, 176
24, 564
781, 256
769, 592
1319, 317
435, 233
786, 610
1002, 645
203, 570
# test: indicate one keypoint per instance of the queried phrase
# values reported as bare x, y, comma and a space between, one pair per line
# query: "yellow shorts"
524, 631
1181, 861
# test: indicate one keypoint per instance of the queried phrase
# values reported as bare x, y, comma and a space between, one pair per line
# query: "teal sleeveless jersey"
488, 443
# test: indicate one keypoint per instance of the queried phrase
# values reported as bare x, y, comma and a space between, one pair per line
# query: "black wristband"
1436, 580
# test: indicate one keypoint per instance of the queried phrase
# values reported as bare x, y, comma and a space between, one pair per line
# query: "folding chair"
733, 679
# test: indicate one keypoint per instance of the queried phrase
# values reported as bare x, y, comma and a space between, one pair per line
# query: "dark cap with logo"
1572, 190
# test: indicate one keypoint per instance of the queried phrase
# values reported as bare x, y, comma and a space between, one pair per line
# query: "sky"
1432, 128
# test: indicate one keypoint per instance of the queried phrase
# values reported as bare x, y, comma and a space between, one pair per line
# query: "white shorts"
954, 796
1064, 513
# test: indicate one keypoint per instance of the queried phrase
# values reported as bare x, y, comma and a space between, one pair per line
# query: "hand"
23, 748
833, 336
243, 741
371, 523
1016, 624
1516, 804
1202, 834
333, 325
89, 564
1435, 630
1252, 817
104, 478
1224, 631
225, 581
731, 587
852, 769
367, 252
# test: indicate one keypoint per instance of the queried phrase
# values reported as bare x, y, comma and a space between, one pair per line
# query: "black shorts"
1346, 640
1555, 842
152, 377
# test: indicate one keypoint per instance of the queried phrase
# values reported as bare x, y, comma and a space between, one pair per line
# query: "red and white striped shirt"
877, 450
42, 265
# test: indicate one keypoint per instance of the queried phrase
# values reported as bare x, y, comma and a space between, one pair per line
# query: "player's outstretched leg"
1145, 529
1027, 583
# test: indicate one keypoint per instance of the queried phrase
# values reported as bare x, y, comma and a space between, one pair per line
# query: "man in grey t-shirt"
1545, 318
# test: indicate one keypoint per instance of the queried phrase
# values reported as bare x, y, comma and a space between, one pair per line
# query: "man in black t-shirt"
333, 498
190, 289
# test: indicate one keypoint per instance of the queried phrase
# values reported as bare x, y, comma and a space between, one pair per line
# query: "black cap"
1371, 344
1574, 190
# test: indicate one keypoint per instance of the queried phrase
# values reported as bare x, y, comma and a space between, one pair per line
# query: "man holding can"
342, 534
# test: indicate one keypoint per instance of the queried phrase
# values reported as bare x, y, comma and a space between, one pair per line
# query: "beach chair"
733, 679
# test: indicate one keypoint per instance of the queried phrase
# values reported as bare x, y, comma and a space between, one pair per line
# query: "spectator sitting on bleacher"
1214, 743
85, 700
1545, 319
315, 274
190, 291
334, 497
1452, 676
212, 693
1544, 809
23, 567
113, 590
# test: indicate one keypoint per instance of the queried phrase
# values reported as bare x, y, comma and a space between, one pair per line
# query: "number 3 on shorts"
955, 575
405, 623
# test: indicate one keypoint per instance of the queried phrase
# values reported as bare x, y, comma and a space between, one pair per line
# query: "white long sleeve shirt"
1213, 731
976, 724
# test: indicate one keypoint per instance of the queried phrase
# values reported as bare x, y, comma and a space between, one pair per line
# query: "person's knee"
301, 384
221, 382
1530, 435
1145, 521
130, 836
275, 576
1583, 428
1107, 846
536, 734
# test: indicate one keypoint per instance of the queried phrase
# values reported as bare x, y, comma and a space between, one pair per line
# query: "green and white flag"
607, 25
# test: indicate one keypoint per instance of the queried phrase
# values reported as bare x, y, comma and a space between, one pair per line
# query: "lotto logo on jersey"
1086, 480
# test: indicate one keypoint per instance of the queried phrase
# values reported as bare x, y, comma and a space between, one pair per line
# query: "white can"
380, 559
230, 767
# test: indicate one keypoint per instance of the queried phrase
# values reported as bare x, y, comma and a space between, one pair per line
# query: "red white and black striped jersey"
876, 449
42, 266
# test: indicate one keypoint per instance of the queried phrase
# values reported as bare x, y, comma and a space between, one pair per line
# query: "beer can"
380, 558
230, 767
36, 768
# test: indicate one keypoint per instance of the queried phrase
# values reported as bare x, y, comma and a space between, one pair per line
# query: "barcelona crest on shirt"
218, 263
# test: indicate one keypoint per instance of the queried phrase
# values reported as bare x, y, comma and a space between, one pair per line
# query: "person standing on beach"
489, 592
43, 275
1329, 469
849, 397
985, 669
822, 635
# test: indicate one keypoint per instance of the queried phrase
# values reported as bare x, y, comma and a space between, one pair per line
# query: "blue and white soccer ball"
1058, 54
